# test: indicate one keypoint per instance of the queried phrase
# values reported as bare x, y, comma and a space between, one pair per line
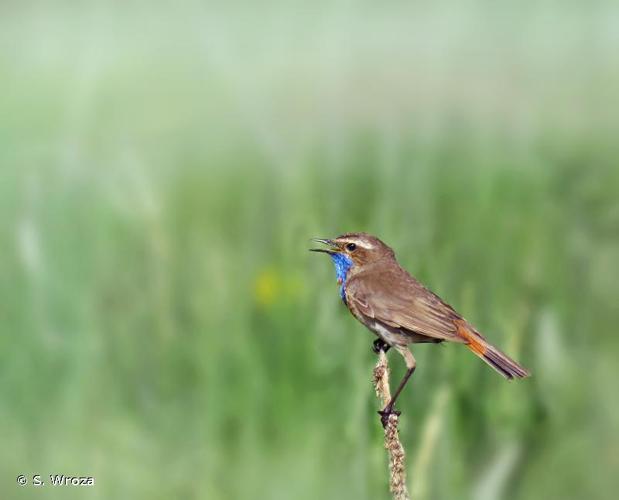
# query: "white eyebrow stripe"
364, 244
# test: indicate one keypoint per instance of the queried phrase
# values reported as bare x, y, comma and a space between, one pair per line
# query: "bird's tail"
490, 354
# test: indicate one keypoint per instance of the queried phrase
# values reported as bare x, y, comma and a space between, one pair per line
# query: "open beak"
330, 243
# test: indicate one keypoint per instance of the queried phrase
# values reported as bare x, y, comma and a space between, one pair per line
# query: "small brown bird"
399, 309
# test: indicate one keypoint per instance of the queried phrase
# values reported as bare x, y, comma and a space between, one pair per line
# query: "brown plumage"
399, 309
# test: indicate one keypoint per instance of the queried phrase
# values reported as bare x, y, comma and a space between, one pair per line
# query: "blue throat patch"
343, 263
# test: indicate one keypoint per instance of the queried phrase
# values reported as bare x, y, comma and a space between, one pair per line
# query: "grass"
164, 328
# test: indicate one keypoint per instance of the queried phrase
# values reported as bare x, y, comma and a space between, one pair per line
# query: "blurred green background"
162, 167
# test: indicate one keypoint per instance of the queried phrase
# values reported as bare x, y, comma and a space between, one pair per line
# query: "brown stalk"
397, 470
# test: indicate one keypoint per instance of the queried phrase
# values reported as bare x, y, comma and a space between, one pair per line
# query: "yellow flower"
266, 287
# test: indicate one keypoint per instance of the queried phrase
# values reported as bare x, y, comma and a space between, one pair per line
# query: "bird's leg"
380, 345
410, 368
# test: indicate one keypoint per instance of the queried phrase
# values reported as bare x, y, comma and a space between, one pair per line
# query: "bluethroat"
399, 309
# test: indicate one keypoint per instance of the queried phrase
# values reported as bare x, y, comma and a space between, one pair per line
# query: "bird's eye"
350, 247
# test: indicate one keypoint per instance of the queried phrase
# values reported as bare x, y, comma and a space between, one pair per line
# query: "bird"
400, 310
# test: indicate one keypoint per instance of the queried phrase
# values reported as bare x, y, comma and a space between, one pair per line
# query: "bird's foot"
380, 345
386, 413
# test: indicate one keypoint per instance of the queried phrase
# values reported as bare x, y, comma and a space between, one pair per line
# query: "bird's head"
352, 251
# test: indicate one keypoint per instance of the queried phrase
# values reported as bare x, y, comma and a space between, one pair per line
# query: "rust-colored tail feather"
491, 355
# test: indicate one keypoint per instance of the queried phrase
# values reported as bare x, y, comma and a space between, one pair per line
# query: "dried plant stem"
397, 470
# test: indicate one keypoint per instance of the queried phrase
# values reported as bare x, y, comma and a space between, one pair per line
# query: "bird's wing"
400, 301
